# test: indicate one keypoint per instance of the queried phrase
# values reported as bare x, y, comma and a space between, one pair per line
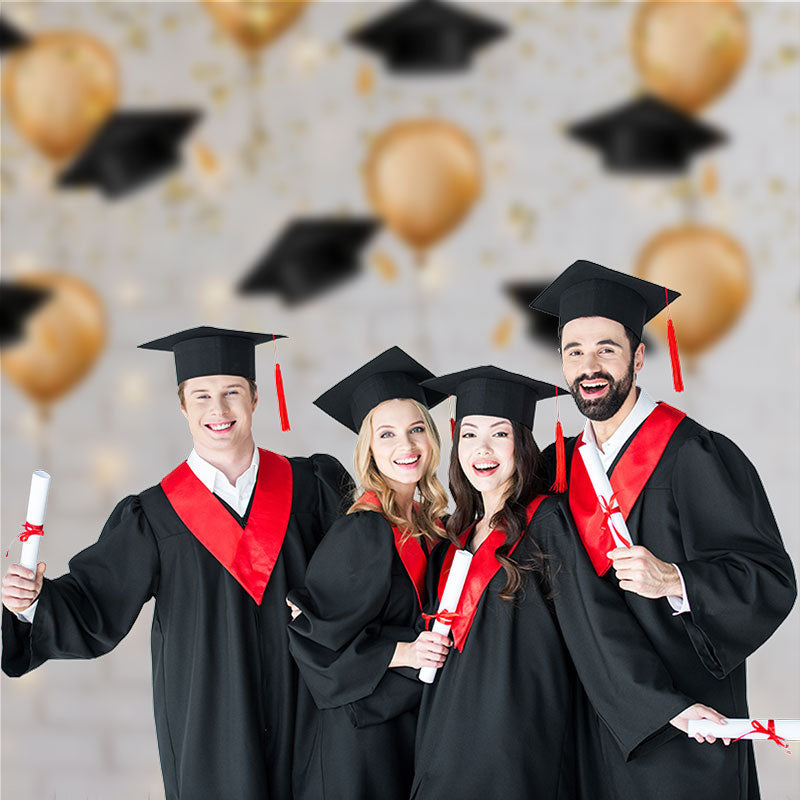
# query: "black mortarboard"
212, 351
131, 149
586, 289
391, 375
309, 257
646, 135
10, 36
541, 327
427, 36
17, 303
494, 392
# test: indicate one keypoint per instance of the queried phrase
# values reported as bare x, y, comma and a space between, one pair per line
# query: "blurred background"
355, 176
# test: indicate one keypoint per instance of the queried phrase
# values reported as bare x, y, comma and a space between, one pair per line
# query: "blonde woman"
354, 639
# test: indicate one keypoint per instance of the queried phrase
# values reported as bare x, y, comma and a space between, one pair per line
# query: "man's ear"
183, 410
638, 357
255, 401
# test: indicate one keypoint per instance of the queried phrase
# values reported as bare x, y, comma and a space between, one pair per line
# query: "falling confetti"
501, 335
385, 267
365, 79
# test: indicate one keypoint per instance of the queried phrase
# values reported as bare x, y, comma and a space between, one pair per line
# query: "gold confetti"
522, 219
709, 181
365, 79
137, 38
220, 94
176, 191
206, 161
385, 267
501, 336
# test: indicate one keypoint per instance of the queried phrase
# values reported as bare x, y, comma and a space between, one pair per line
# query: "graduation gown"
703, 508
225, 690
359, 600
499, 720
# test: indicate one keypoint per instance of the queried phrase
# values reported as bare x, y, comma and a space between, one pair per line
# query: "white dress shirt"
609, 450
237, 496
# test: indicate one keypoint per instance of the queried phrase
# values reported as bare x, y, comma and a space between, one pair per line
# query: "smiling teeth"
594, 385
221, 427
409, 460
486, 465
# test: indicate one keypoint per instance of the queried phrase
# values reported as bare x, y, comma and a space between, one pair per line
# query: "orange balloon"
254, 23
422, 178
59, 90
710, 270
63, 338
688, 52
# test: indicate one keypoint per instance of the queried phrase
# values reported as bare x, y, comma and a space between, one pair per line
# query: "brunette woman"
354, 639
534, 622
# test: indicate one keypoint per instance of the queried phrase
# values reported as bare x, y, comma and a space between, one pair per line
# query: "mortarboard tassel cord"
677, 378
452, 420
560, 483
282, 410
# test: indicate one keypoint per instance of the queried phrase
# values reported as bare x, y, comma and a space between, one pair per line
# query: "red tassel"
677, 378
560, 483
281, 398
452, 429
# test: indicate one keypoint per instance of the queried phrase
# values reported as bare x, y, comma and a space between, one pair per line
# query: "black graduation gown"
225, 689
703, 508
358, 603
499, 720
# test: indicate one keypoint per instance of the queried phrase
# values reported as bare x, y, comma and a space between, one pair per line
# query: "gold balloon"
422, 178
254, 23
63, 339
710, 270
688, 52
59, 90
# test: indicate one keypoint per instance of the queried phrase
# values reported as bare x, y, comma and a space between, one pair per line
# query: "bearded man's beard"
604, 407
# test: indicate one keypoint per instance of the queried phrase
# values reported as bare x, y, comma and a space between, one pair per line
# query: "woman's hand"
428, 650
296, 612
698, 711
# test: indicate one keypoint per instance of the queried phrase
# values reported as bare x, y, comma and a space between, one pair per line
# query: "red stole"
629, 477
482, 569
249, 554
414, 558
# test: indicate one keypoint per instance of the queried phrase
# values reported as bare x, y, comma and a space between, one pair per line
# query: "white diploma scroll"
788, 729
602, 488
449, 602
37, 503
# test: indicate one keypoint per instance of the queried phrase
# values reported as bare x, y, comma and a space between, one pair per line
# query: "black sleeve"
623, 676
339, 642
88, 611
739, 579
335, 488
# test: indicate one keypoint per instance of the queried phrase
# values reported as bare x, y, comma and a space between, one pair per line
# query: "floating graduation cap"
586, 289
17, 303
646, 135
309, 257
542, 327
427, 36
10, 36
219, 351
131, 149
391, 375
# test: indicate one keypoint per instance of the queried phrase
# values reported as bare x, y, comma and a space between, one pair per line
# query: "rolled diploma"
788, 729
37, 503
602, 488
449, 602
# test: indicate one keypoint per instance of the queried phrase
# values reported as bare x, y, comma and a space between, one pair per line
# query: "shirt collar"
214, 479
641, 410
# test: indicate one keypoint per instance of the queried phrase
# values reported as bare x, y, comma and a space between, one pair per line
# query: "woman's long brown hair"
527, 483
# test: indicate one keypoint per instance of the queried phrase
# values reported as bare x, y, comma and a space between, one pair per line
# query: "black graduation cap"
310, 256
427, 36
131, 149
494, 392
10, 36
391, 375
212, 351
646, 135
541, 327
17, 303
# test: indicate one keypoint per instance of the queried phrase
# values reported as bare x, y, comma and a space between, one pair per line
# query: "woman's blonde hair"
432, 497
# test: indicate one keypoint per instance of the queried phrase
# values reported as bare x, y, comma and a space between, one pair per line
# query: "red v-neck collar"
250, 553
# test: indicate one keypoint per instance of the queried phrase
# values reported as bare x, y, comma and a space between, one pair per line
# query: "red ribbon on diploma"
609, 508
769, 731
28, 530
444, 616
